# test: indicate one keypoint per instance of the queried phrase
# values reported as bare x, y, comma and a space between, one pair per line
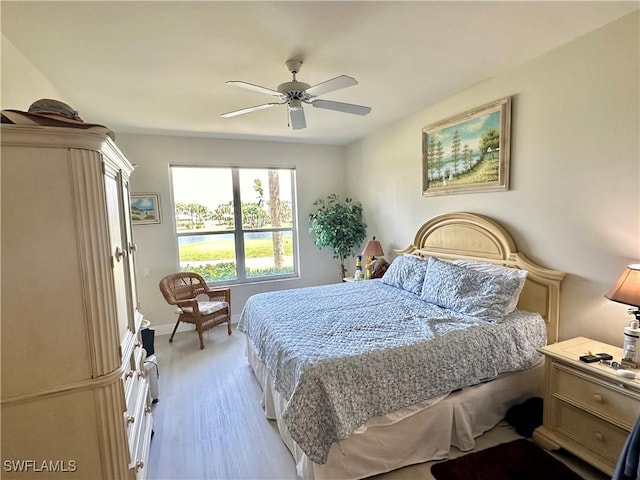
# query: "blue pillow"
467, 291
407, 273
518, 275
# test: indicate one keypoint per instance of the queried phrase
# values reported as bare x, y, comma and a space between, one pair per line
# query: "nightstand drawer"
596, 396
598, 436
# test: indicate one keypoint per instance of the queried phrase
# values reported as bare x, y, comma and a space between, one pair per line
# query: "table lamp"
627, 290
371, 250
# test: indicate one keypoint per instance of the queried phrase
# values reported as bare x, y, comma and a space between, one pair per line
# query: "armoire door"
119, 253
131, 247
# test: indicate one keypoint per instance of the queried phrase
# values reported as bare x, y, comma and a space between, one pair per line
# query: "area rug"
517, 460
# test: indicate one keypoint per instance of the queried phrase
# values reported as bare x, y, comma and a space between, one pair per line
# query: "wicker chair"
183, 288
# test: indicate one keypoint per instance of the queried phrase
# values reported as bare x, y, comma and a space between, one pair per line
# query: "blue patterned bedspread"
344, 353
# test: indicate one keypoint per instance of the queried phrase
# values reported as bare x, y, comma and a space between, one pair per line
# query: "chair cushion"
206, 308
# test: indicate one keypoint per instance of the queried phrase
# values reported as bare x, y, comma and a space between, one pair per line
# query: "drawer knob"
598, 398
139, 465
599, 436
130, 419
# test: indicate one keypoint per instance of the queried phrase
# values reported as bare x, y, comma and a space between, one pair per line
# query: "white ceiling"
160, 67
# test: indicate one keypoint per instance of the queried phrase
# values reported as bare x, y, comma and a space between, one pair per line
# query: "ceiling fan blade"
255, 88
343, 81
249, 110
298, 121
341, 107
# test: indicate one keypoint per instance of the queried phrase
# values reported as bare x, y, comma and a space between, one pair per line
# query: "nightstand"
588, 409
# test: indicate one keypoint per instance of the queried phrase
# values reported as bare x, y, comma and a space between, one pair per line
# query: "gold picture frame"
469, 152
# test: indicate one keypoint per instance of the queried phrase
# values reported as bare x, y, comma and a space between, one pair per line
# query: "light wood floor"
209, 423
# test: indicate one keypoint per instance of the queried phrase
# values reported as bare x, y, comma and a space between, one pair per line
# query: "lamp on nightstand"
627, 290
371, 250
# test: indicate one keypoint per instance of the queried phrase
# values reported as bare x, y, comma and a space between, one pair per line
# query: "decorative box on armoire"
75, 396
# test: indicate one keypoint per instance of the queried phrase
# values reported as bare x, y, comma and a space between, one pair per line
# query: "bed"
367, 377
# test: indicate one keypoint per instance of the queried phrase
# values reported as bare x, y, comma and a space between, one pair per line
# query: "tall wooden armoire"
75, 397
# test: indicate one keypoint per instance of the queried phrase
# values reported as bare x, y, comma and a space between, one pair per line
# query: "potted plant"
339, 225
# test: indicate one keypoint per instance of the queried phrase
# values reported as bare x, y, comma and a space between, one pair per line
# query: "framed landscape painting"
145, 208
468, 152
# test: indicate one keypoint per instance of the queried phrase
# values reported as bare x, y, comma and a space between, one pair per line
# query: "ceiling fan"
294, 94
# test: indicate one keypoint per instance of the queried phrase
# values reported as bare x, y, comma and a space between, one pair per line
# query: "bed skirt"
415, 434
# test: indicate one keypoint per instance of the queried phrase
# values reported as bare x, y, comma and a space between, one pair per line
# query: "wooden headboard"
476, 237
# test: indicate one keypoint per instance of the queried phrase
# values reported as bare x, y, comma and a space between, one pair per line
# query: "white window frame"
239, 231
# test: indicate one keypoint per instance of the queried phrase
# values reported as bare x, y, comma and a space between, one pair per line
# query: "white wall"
22, 83
574, 202
319, 171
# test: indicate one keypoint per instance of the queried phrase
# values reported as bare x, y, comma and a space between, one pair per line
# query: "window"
235, 224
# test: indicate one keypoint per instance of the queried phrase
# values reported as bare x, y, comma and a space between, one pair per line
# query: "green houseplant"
339, 225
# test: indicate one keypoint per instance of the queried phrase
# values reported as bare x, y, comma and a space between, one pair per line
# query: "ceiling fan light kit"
294, 94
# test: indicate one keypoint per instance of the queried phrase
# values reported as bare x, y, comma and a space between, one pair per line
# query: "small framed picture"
145, 208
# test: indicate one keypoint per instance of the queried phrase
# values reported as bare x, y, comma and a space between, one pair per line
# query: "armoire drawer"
140, 457
135, 416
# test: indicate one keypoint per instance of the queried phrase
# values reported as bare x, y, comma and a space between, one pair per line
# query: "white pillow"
493, 269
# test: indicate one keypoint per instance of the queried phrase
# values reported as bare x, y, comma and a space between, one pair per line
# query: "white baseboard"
183, 327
